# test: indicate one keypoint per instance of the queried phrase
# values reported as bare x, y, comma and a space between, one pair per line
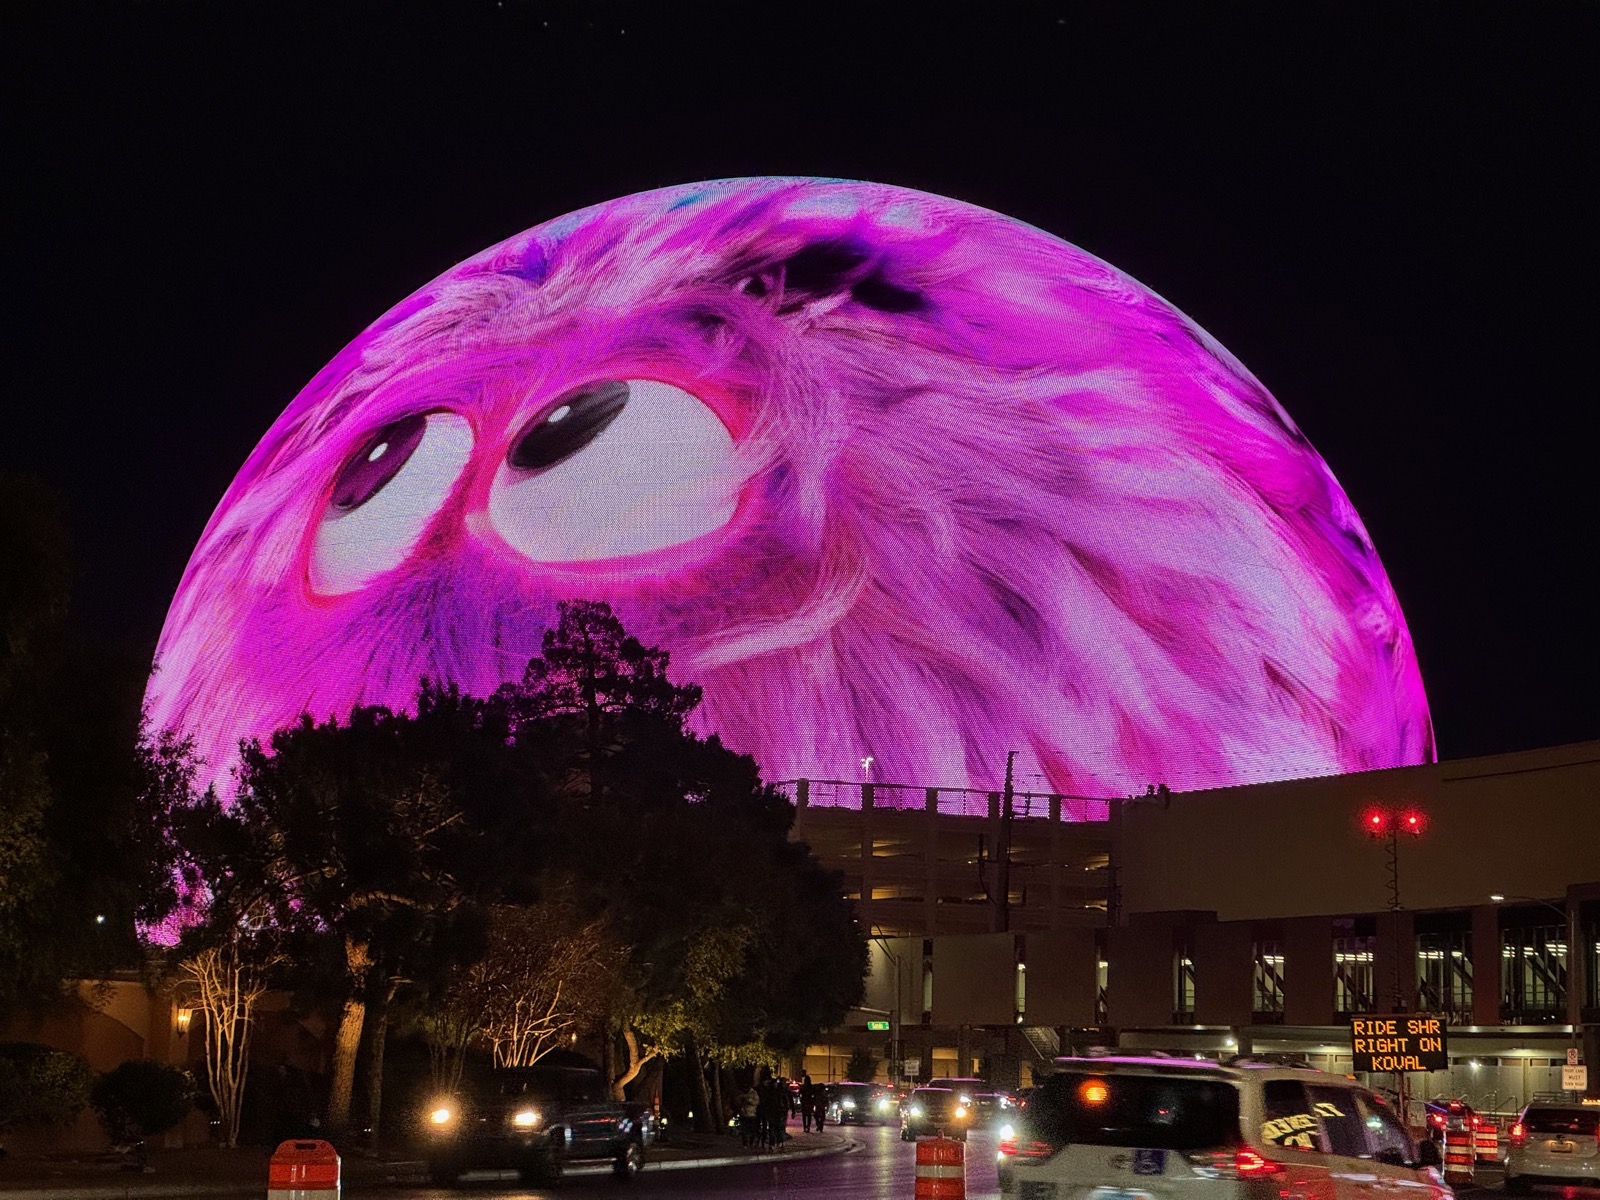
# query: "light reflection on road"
878, 1166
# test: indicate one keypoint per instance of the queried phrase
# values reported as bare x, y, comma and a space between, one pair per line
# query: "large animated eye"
612, 469
384, 498
569, 425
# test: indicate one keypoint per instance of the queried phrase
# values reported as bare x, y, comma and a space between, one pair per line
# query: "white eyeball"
383, 499
612, 469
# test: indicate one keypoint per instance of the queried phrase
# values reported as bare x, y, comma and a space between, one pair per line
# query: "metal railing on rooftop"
946, 802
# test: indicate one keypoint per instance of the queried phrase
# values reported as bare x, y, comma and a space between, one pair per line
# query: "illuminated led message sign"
1405, 1042
895, 479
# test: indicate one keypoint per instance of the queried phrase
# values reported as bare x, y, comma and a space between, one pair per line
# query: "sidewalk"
216, 1172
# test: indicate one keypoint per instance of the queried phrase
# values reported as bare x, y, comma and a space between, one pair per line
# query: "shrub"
141, 1098
862, 1067
41, 1086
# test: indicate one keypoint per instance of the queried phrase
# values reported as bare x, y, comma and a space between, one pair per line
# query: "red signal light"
1378, 821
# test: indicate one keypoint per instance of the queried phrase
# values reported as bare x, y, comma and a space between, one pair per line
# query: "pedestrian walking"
749, 1107
819, 1106
807, 1102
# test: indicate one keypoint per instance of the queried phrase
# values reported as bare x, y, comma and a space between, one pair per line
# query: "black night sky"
1387, 211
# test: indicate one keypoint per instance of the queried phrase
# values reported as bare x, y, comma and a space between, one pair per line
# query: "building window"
1533, 973
1589, 939
1444, 974
1267, 1007
927, 981
1182, 980
1355, 946
1019, 952
1102, 980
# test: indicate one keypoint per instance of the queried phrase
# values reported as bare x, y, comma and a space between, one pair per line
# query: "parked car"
931, 1110
534, 1120
1554, 1141
1174, 1129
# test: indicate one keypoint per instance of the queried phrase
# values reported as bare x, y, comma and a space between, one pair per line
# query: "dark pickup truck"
534, 1120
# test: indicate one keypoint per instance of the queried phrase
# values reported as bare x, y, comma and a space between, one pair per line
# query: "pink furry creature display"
889, 475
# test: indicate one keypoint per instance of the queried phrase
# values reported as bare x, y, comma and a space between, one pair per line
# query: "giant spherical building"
888, 474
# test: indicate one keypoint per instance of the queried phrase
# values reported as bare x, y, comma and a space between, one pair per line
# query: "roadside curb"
146, 1189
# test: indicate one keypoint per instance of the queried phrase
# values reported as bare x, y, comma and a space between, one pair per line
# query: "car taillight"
1519, 1134
1011, 1146
1239, 1163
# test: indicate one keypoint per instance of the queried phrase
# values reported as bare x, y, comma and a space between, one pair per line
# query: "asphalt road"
879, 1165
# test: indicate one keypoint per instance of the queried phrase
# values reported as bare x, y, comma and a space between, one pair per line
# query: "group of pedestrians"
764, 1114
764, 1110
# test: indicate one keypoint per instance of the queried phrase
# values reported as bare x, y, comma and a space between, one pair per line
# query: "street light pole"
1386, 825
895, 1055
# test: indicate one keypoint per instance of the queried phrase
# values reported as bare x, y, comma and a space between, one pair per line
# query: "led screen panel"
891, 476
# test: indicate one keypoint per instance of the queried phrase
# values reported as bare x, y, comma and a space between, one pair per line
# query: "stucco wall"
1520, 824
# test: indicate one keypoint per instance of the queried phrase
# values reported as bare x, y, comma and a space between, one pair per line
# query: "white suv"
1554, 1141
1177, 1129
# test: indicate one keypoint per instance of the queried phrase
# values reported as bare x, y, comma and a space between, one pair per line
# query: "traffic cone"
941, 1169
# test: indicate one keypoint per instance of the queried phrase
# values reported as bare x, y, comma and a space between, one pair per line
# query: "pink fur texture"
898, 477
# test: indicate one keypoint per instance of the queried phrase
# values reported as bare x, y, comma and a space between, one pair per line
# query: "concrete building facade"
1253, 918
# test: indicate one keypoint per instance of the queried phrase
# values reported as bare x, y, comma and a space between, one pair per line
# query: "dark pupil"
377, 462
568, 425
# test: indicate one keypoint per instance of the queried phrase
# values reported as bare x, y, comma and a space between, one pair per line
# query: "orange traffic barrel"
941, 1171
1486, 1141
1459, 1157
303, 1170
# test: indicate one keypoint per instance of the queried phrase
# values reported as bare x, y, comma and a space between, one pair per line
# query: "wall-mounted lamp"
181, 1018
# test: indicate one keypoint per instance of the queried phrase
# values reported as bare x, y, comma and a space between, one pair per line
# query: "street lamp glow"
1496, 897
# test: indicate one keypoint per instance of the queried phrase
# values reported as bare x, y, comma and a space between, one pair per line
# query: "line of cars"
950, 1105
1555, 1139
1110, 1128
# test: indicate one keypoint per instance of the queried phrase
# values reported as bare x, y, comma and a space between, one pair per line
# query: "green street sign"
877, 1027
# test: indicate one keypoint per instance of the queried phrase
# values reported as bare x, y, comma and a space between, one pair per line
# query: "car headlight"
883, 1106
847, 1104
916, 1110
442, 1115
527, 1118
961, 1111
1007, 1132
